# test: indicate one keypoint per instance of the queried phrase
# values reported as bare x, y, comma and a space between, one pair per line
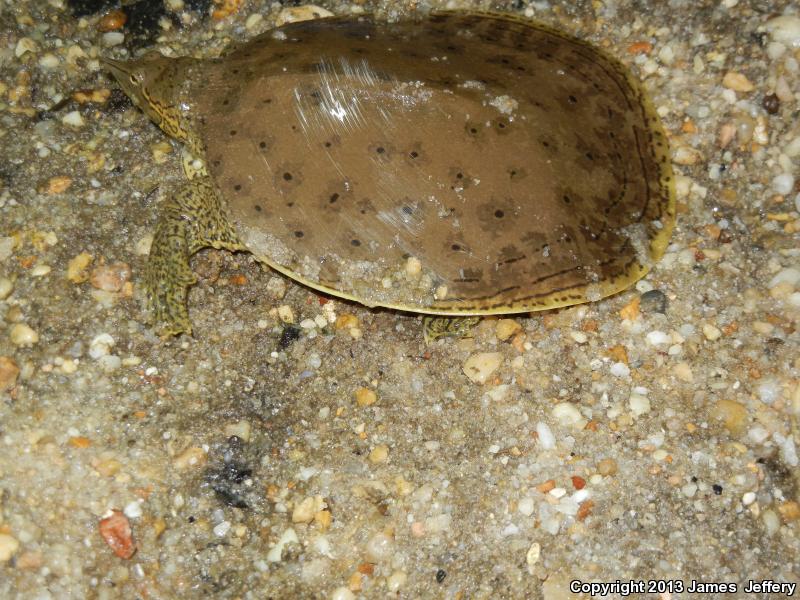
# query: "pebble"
620, 369
240, 429
785, 29
656, 338
115, 529
639, 404
24, 45
732, 414
365, 397
301, 13
607, 467
22, 335
110, 278
49, 61
6, 287
101, 345
567, 414
133, 510
479, 367
379, 454
783, 184
396, 580
8, 547
533, 555
413, 267
285, 313
9, 371
683, 372
505, 328
748, 498
253, 21
653, 301
111, 21
342, 593
222, 529
711, 332
379, 548
289, 536
526, 506
113, 38
789, 276
737, 82
545, 436
73, 119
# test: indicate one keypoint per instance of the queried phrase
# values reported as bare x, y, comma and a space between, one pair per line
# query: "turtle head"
154, 83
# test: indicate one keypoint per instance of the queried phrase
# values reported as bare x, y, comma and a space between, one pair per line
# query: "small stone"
657, 338
342, 593
748, 498
111, 21
568, 415
607, 467
545, 436
379, 454
640, 405
532, 556
771, 104
285, 313
24, 45
785, 29
191, 457
653, 301
789, 511
379, 548
288, 537
526, 506
620, 369
9, 371
115, 529
110, 278
711, 332
479, 367
683, 372
631, 310
22, 335
732, 414
505, 328
240, 429
133, 510
113, 38
365, 397
101, 345
413, 267
6, 287
253, 21
301, 13
73, 119
395, 581
305, 511
276, 288
58, 184
783, 184
737, 82
8, 547
686, 155
221, 529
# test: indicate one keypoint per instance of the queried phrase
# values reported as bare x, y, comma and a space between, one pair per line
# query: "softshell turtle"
456, 165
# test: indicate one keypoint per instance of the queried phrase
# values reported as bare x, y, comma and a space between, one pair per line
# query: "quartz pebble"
240, 429
737, 82
6, 287
783, 183
567, 414
23, 335
785, 29
8, 547
546, 438
101, 345
479, 367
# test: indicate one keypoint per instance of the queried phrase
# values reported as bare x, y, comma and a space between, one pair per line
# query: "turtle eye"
134, 79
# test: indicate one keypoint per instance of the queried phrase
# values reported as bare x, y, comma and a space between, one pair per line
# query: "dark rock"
654, 301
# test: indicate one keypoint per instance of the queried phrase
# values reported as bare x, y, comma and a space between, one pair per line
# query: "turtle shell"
461, 164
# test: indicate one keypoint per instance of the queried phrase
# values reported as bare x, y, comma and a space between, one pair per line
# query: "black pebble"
440, 575
771, 104
654, 301
290, 334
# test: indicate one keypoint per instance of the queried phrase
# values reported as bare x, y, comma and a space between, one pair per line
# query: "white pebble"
25, 45
758, 434
240, 429
380, 548
49, 61
620, 369
479, 367
712, 333
222, 529
783, 183
546, 437
253, 21
748, 498
73, 119
639, 404
133, 510
526, 506
342, 593
113, 38
655, 338
396, 580
771, 521
785, 29
788, 275
22, 335
578, 336
6, 287
101, 345
289, 536
567, 414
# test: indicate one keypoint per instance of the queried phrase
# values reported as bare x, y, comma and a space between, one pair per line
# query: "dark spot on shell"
334, 197
328, 144
257, 207
267, 100
590, 156
408, 210
298, 234
455, 247
287, 176
459, 175
355, 243
233, 132
567, 199
237, 187
226, 102
414, 154
499, 214
380, 149
290, 204
262, 145
573, 99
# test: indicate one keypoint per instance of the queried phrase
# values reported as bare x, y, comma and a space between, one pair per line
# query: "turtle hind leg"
434, 328
192, 219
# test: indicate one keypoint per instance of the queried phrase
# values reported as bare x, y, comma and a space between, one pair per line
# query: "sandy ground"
648, 437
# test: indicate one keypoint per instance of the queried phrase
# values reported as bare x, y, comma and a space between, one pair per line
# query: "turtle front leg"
192, 219
434, 328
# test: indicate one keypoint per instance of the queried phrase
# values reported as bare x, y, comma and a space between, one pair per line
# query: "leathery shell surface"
462, 164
